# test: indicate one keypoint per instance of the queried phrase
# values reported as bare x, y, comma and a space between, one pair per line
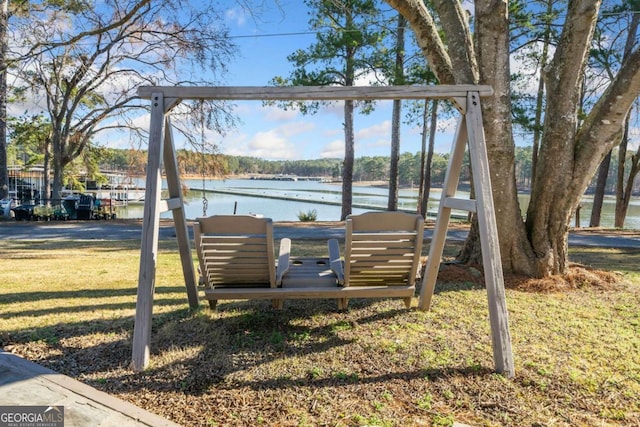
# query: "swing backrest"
235, 251
383, 248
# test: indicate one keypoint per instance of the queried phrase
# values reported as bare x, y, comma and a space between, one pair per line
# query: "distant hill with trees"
366, 168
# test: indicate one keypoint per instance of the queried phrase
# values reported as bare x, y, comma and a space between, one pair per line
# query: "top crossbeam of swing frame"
466, 98
316, 93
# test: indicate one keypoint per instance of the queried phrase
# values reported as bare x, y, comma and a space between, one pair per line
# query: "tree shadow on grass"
193, 351
96, 294
259, 337
28, 246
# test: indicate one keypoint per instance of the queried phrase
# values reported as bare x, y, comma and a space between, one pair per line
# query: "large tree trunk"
47, 180
58, 164
623, 192
392, 204
4, 170
349, 155
624, 189
537, 124
488, 65
601, 186
492, 44
426, 158
551, 207
567, 158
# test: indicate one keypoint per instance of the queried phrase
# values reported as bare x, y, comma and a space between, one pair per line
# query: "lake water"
265, 197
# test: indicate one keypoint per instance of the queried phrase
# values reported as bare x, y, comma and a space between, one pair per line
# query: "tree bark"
47, 180
486, 62
349, 156
537, 125
550, 211
4, 169
492, 44
568, 157
427, 36
427, 160
623, 192
601, 186
392, 204
621, 209
624, 189
57, 147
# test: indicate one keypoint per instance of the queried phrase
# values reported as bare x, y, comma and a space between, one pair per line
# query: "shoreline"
193, 177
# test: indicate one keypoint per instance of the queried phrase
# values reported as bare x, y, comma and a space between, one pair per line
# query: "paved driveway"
132, 229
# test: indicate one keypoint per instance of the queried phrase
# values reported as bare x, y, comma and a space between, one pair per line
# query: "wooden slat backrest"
235, 251
382, 248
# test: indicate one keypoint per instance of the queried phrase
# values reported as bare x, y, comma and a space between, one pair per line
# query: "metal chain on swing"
205, 202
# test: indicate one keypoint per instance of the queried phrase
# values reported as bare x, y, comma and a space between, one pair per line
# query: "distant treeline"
192, 163
367, 168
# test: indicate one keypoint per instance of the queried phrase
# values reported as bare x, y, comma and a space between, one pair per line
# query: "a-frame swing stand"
470, 130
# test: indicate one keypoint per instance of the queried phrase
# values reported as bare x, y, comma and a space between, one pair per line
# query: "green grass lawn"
70, 306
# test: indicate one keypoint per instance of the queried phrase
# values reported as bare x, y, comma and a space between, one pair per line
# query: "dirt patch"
577, 277
604, 231
460, 273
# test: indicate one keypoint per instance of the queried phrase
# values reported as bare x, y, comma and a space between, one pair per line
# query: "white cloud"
469, 6
276, 114
634, 138
378, 143
296, 128
334, 149
269, 141
334, 109
271, 144
370, 78
377, 131
331, 133
236, 15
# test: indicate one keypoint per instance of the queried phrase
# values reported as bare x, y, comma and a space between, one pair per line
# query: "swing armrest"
335, 262
283, 260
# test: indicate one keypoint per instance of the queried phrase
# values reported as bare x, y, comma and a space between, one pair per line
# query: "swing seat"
235, 253
382, 255
382, 259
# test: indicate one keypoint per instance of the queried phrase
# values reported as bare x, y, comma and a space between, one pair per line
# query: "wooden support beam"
468, 205
311, 292
491, 259
467, 100
150, 231
167, 205
179, 218
317, 93
438, 240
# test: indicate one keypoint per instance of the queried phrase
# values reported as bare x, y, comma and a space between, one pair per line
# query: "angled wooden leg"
343, 303
212, 303
407, 301
277, 304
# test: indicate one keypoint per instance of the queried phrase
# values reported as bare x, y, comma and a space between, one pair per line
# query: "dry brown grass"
69, 306
578, 277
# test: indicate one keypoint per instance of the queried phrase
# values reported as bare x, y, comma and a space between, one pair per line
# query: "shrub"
308, 216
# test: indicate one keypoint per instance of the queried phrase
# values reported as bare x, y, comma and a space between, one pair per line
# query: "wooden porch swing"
161, 152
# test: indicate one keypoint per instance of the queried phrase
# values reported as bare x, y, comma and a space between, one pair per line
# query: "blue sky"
272, 133
264, 41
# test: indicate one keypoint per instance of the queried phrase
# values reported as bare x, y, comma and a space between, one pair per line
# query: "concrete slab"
24, 383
